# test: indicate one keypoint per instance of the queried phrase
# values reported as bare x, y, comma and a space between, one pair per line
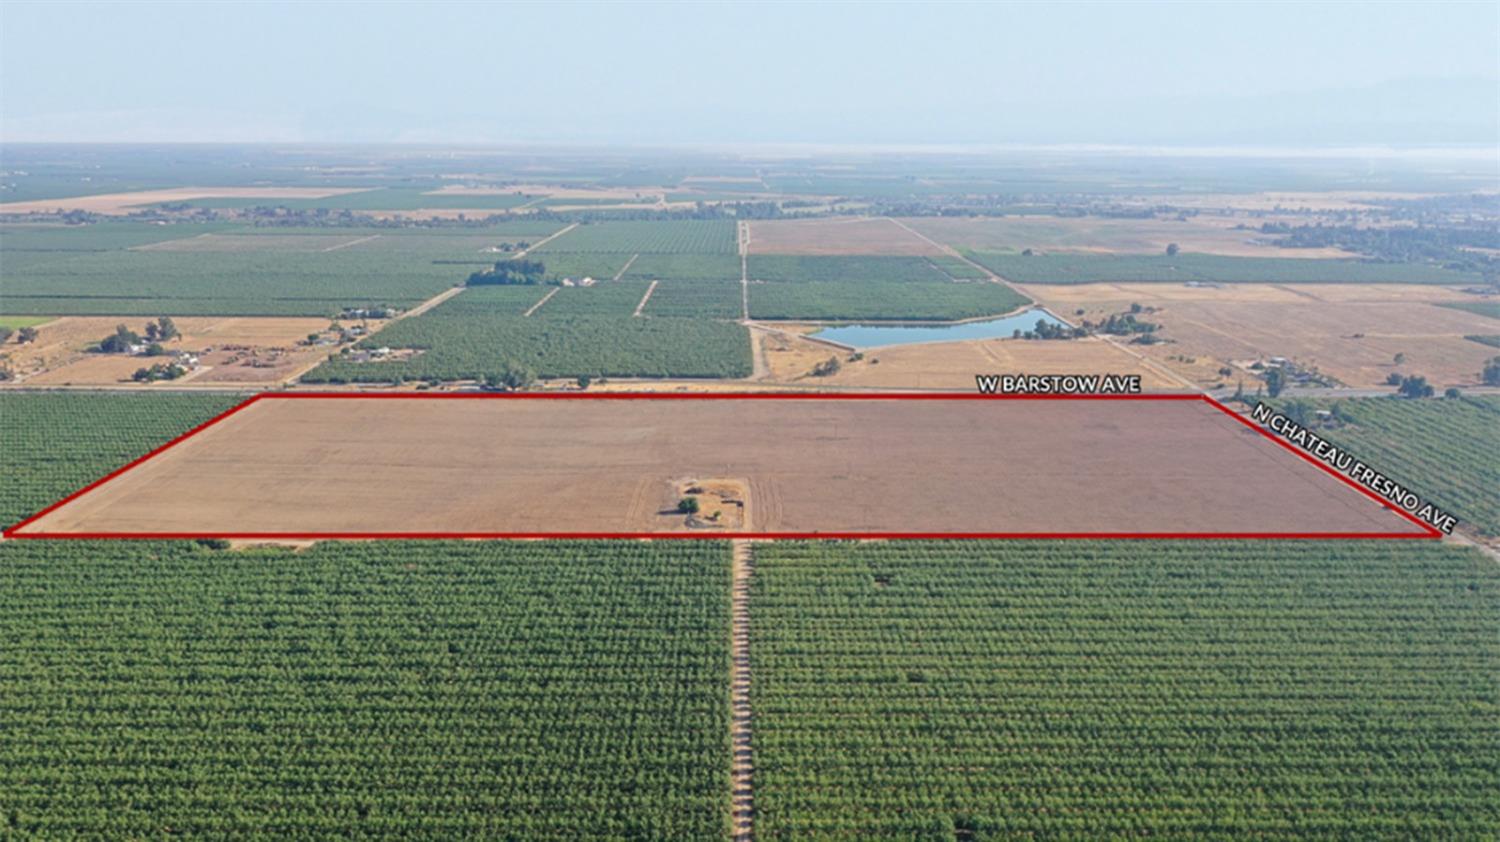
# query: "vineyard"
225, 283
674, 237
822, 268
706, 299
693, 267
1433, 446
916, 300
435, 690
617, 298
1183, 268
460, 345
1111, 690
54, 444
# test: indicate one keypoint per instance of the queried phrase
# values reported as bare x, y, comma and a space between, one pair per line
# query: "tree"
1452, 392
27, 334
1393, 379
1399, 359
1172, 249
688, 505
511, 378
120, 342
155, 349
1275, 382
166, 329
1491, 373
1415, 386
5, 333
827, 368
584, 380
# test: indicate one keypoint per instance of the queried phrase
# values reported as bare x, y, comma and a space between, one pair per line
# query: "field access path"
743, 229
742, 767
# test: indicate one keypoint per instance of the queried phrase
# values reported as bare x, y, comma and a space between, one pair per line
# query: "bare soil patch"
863, 235
485, 466
1351, 332
949, 366
123, 203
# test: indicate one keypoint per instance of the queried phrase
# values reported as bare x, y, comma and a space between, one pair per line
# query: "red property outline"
1428, 533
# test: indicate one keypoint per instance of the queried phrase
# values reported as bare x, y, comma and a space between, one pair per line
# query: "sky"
831, 73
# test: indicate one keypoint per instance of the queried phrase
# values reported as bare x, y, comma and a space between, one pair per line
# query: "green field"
608, 298
914, 300
707, 299
230, 283
653, 267
16, 322
1446, 450
1184, 268
1483, 308
480, 332
365, 690
53, 444
23, 246
776, 267
665, 237
1194, 691
956, 268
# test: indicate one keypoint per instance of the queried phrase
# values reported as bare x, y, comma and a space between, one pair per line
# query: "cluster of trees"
1118, 324
1410, 386
513, 377
123, 339
1448, 246
159, 371
510, 273
24, 335
1491, 373
827, 368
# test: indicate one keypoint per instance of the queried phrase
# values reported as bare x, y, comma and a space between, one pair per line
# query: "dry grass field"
509, 465
857, 235
124, 203
249, 350
1351, 332
948, 366
1204, 234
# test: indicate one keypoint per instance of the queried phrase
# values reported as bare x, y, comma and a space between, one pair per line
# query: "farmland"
1481, 308
881, 300
1093, 268
53, 444
704, 299
442, 690
466, 343
823, 268
853, 236
121, 268
1201, 235
684, 267
1351, 332
676, 237
428, 465
1437, 447
1094, 691
260, 283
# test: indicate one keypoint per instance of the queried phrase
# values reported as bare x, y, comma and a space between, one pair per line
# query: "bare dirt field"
861, 235
1351, 332
516, 465
123, 203
251, 350
1207, 235
949, 366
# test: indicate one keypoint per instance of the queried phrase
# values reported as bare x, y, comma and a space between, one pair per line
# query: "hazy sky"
848, 73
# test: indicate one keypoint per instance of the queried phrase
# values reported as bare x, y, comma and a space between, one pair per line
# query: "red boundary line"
13, 531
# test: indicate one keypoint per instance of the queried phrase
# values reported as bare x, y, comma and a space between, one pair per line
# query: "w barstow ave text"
1058, 384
